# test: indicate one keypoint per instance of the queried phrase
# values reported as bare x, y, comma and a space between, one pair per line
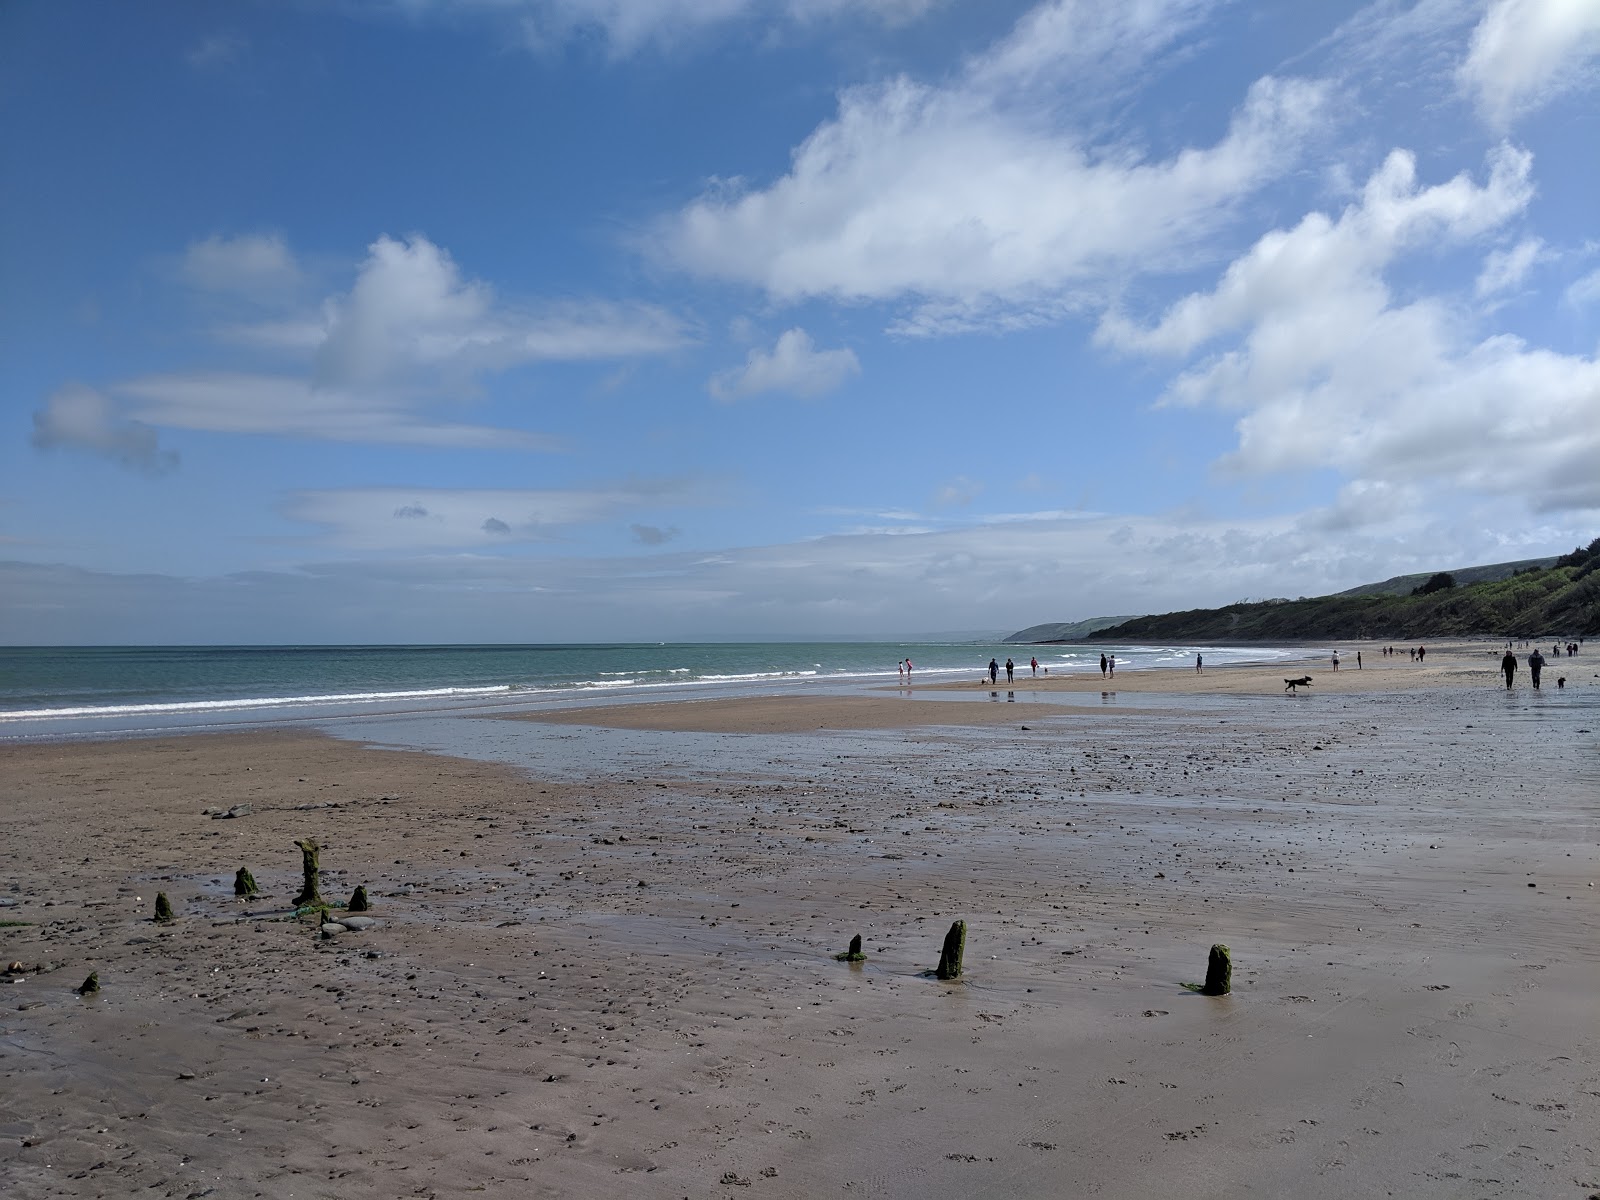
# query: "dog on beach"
1303, 681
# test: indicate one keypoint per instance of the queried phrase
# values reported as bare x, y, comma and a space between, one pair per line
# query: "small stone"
356, 923
333, 929
90, 985
185, 1074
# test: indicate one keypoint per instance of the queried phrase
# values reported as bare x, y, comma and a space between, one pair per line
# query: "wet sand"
625, 984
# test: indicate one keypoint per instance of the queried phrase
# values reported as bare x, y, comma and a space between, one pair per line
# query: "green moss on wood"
955, 946
244, 883
1219, 972
90, 985
308, 866
358, 900
854, 953
164, 912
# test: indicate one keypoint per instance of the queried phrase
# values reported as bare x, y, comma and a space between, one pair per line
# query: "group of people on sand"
1011, 668
1418, 653
1508, 663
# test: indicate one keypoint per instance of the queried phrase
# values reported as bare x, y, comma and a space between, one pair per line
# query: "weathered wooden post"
308, 865
164, 912
358, 900
854, 953
244, 883
955, 945
1219, 972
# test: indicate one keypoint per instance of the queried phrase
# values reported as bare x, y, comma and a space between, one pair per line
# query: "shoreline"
623, 978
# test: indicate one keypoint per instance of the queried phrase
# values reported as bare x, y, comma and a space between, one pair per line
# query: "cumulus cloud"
368, 365
973, 200
401, 519
1506, 269
1583, 291
412, 316
79, 418
1330, 370
257, 265
1524, 53
794, 366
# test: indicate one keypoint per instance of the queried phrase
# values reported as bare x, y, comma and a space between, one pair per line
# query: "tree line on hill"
1562, 600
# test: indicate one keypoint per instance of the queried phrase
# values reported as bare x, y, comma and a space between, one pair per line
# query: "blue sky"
555, 320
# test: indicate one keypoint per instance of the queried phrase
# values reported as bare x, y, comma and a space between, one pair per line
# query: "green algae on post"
90, 985
244, 883
164, 912
358, 900
308, 865
1219, 973
854, 953
955, 946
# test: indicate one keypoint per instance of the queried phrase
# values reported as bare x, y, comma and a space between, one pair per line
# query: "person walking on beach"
1034, 663
1198, 663
1102, 665
1536, 666
908, 671
1508, 664
901, 667
1010, 666
1358, 660
1113, 665
1335, 660
994, 671
1422, 653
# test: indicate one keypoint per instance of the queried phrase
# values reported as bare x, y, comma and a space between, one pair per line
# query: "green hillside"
1403, 585
1562, 600
1063, 631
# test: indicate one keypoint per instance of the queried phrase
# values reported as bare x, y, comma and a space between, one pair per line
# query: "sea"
50, 691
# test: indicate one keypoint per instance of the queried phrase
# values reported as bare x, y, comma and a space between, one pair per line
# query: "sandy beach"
621, 981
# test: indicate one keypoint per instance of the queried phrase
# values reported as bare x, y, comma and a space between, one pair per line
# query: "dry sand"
625, 985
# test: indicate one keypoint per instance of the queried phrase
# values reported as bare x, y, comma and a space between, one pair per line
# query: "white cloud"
1506, 269
290, 406
1331, 371
1583, 291
413, 519
974, 200
997, 576
411, 333
411, 316
79, 418
257, 265
958, 491
1524, 53
629, 26
794, 366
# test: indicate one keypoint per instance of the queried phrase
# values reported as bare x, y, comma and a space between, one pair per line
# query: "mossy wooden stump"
244, 883
90, 985
164, 913
955, 946
854, 953
358, 900
308, 865
1219, 972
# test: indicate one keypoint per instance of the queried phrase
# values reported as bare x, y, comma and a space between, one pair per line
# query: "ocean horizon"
57, 689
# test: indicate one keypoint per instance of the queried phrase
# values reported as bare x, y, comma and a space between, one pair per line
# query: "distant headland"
1531, 598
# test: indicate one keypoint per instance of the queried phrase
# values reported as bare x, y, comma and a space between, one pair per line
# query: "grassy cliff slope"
1559, 601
